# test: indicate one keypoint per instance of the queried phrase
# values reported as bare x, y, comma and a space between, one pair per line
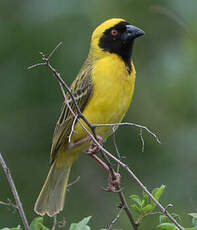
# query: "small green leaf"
37, 224
148, 208
193, 214
82, 225
163, 219
137, 199
168, 226
157, 192
137, 209
194, 219
145, 200
176, 217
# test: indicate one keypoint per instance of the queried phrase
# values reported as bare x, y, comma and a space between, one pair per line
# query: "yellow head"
114, 36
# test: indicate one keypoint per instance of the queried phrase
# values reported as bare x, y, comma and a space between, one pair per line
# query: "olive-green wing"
82, 88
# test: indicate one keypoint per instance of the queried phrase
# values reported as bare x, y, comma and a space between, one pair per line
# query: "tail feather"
51, 198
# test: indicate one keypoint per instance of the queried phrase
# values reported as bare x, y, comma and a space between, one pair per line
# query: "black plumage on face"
119, 40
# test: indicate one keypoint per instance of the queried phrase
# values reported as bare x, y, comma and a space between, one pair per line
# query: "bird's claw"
114, 183
94, 148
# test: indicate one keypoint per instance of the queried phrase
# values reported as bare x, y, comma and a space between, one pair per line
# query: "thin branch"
15, 193
126, 208
53, 51
72, 129
54, 222
116, 148
9, 204
74, 182
130, 124
116, 218
142, 139
36, 65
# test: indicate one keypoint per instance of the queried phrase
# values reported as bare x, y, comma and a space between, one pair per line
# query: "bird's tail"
51, 198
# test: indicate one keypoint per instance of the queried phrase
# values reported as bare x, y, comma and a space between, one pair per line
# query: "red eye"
114, 32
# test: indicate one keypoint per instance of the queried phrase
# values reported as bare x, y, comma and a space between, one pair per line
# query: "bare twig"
142, 139
54, 222
53, 51
74, 182
72, 129
126, 208
36, 65
9, 204
105, 153
116, 218
15, 193
116, 148
131, 124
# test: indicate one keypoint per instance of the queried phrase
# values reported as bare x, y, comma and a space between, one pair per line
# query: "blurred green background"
165, 100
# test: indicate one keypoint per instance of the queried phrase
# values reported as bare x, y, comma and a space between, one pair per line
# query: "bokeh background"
165, 100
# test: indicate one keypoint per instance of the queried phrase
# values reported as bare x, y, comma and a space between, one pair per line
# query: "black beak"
132, 32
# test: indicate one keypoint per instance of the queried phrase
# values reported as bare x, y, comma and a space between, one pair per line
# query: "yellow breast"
112, 94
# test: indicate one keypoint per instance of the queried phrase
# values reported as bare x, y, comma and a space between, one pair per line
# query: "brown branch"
116, 218
9, 204
15, 193
106, 153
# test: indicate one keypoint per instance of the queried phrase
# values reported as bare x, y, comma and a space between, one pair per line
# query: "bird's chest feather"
112, 91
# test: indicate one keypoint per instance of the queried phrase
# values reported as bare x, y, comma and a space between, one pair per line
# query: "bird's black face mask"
119, 39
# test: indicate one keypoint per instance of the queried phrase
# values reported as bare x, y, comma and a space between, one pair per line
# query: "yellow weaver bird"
103, 90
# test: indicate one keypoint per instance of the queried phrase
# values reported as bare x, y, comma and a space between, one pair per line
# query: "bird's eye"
114, 32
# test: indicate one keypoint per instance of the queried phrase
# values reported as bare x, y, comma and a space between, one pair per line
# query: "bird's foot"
94, 148
113, 183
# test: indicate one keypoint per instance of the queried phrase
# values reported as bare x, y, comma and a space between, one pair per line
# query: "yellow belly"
112, 94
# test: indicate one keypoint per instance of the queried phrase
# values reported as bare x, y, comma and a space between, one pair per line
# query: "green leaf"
82, 225
168, 226
17, 228
145, 200
148, 208
37, 224
194, 219
176, 217
193, 214
137, 209
137, 199
163, 219
157, 192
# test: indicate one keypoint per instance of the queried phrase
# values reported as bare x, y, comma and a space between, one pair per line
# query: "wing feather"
81, 88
